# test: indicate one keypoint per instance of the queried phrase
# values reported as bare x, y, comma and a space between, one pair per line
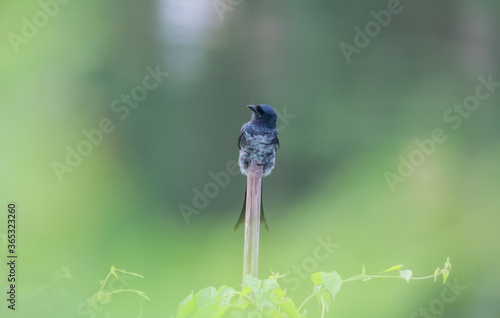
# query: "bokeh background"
343, 126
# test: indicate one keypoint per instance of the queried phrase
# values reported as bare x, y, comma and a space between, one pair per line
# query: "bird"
258, 142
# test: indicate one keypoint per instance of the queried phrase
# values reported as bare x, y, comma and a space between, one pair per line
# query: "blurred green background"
344, 125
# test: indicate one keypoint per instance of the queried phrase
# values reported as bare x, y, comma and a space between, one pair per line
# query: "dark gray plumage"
258, 142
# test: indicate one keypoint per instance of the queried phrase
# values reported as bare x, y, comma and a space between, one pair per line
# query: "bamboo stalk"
252, 221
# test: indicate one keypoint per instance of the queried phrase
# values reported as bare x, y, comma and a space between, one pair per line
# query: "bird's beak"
253, 108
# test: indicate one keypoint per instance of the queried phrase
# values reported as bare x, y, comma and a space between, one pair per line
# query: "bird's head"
264, 114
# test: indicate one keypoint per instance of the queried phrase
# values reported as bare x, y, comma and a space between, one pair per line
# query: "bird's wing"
242, 137
276, 139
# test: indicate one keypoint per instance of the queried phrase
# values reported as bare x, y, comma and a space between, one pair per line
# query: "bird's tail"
241, 219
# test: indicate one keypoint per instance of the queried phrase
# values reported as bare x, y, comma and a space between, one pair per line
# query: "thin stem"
364, 277
358, 277
129, 273
125, 290
427, 277
305, 301
105, 281
140, 309
323, 303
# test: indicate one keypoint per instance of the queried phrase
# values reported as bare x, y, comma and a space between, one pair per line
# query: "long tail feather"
263, 221
241, 219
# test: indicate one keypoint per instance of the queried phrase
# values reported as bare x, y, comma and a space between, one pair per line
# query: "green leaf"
325, 295
278, 293
289, 307
332, 282
206, 296
221, 311
436, 272
363, 270
225, 294
186, 307
393, 268
269, 284
406, 275
242, 303
316, 278
445, 275
317, 292
245, 291
253, 282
